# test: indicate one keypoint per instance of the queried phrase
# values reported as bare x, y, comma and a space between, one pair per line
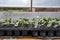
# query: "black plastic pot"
1, 33
9, 33
29, 33
42, 33
35, 33
24, 33
17, 33
58, 33
51, 33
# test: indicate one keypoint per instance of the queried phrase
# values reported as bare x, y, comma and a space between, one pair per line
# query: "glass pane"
21, 3
38, 3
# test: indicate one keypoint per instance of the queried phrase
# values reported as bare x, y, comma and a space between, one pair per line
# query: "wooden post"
31, 6
33, 9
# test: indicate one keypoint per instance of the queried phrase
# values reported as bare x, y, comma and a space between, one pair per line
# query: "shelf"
29, 37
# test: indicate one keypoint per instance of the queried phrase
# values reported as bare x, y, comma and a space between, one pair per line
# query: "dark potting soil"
8, 26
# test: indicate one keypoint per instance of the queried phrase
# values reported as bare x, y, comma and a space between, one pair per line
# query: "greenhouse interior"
29, 19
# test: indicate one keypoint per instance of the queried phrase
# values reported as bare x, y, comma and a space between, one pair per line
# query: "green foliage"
33, 21
25, 21
8, 20
47, 22
14, 9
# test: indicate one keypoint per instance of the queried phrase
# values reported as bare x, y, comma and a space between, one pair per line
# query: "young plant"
8, 23
53, 23
41, 23
58, 23
18, 23
1, 24
25, 22
33, 22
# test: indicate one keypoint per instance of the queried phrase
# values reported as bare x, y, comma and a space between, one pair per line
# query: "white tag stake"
36, 23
